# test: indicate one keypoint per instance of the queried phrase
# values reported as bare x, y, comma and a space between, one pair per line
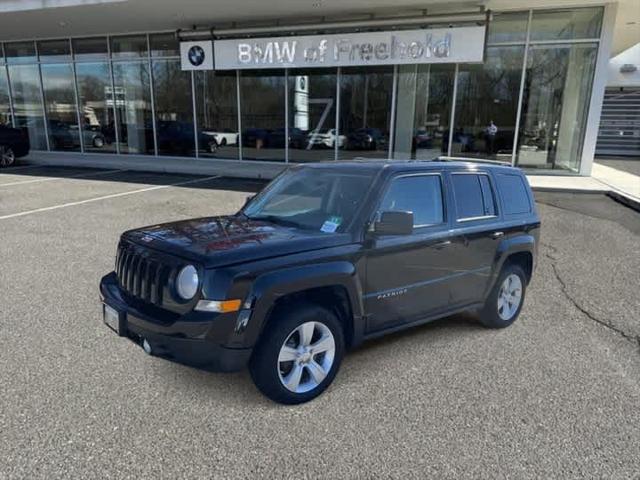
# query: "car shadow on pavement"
224, 388
136, 177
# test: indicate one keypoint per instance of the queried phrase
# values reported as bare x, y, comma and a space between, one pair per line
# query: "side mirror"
394, 223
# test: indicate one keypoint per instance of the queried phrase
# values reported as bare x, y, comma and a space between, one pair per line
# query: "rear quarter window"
515, 195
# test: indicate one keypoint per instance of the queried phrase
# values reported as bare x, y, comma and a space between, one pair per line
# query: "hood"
219, 241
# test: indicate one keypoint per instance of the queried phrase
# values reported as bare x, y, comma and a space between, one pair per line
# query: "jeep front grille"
140, 274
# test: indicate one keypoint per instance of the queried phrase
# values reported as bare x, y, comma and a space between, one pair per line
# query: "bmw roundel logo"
196, 55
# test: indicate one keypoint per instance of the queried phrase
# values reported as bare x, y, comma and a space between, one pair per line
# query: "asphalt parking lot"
556, 395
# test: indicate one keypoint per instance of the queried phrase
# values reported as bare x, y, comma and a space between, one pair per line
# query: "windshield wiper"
277, 220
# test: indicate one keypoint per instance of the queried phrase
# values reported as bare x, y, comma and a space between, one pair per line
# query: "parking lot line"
80, 175
107, 197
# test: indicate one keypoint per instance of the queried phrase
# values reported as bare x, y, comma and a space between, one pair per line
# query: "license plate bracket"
113, 319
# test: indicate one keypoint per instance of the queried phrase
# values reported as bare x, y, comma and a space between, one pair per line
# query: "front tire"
298, 355
505, 301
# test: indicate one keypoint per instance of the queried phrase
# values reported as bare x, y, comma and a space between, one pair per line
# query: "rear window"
474, 196
514, 194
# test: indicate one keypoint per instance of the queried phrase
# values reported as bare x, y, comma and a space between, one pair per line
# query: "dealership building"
245, 87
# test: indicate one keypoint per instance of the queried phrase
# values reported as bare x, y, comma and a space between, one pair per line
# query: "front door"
408, 275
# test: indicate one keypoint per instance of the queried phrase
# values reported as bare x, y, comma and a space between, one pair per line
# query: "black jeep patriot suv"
326, 256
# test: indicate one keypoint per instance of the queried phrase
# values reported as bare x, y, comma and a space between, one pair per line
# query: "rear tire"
298, 354
505, 301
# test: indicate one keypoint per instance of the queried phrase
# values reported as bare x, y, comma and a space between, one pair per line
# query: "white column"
597, 90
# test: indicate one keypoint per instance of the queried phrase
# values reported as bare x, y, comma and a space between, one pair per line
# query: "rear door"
408, 275
476, 234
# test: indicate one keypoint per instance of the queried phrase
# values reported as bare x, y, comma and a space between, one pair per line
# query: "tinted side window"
468, 193
421, 195
514, 194
488, 198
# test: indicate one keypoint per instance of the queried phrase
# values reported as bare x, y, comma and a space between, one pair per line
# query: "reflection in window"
423, 110
576, 23
20, 52
420, 195
54, 51
90, 48
469, 197
263, 121
217, 112
96, 107
164, 45
508, 27
174, 109
365, 111
312, 115
129, 46
27, 103
487, 105
60, 105
133, 107
5, 105
555, 105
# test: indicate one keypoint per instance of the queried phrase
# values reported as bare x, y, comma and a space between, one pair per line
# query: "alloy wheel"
306, 357
509, 297
7, 156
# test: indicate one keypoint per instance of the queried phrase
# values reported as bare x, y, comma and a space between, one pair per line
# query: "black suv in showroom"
14, 143
326, 256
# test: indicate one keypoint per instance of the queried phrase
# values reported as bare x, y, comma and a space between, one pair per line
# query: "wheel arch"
520, 248
334, 285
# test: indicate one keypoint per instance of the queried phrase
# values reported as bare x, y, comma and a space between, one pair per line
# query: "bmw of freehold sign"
442, 45
196, 55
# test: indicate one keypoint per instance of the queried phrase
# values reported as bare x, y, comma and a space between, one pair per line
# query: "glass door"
423, 111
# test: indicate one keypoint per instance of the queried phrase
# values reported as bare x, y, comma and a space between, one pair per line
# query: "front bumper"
193, 340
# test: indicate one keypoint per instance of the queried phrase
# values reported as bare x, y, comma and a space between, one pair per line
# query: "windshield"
311, 199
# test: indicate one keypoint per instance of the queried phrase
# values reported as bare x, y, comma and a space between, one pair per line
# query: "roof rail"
445, 158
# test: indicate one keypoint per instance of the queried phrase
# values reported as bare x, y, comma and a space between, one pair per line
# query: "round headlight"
187, 282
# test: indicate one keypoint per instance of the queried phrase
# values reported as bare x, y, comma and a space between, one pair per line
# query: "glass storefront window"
487, 105
130, 46
96, 107
164, 45
508, 27
312, 115
217, 114
555, 105
133, 107
60, 106
27, 103
263, 119
174, 109
5, 106
54, 51
425, 93
566, 24
20, 52
90, 48
365, 111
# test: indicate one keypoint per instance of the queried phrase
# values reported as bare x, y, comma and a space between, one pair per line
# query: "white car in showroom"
222, 137
326, 138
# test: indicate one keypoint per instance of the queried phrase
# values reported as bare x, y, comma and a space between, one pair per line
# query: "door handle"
497, 234
441, 245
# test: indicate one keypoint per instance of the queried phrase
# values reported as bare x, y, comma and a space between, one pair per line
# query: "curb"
624, 199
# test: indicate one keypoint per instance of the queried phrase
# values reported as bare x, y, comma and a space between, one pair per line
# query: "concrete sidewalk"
623, 186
